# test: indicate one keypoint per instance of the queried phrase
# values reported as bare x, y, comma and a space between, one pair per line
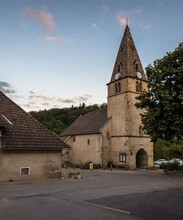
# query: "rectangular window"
122, 157
108, 135
74, 138
25, 171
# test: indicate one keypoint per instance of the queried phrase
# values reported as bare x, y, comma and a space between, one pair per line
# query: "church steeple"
127, 62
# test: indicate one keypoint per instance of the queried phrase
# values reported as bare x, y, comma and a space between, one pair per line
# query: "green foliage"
161, 149
172, 166
97, 166
57, 120
167, 150
163, 100
86, 165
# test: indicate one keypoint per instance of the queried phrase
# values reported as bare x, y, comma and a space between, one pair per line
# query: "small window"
119, 87
116, 88
25, 171
108, 135
74, 138
122, 157
136, 67
88, 141
138, 86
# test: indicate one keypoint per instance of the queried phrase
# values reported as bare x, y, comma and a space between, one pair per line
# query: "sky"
61, 53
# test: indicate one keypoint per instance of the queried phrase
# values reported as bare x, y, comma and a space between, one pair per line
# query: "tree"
163, 100
57, 120
166, 149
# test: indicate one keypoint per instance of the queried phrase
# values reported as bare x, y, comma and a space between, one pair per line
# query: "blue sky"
58, 53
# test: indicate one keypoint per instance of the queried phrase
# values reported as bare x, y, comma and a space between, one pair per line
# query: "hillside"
57, 120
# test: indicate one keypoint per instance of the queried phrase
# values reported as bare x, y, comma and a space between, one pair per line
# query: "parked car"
176, 160
160, 161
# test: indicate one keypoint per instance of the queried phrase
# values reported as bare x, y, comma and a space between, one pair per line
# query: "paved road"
148, 195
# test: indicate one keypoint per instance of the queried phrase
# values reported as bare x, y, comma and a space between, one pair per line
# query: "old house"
27, 148
115, 134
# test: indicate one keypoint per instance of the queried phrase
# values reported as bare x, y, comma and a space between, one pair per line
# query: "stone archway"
141, 159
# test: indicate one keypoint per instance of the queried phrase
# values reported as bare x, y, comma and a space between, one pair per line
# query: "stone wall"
40, 164
86, 148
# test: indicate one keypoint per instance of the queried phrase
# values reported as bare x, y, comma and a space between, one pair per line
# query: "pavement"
100, 194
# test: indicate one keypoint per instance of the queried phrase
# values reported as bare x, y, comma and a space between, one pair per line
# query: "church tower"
129, 145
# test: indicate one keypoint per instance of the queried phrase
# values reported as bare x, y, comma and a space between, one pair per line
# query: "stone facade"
90, 147
121, 141
27, 149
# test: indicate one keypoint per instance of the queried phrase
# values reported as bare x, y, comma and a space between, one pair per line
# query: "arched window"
136, 67
117, 87
88, 141
119, 68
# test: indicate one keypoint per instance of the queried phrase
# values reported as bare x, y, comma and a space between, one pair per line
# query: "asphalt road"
148, 195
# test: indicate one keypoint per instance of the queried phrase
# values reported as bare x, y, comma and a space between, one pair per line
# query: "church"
114, 134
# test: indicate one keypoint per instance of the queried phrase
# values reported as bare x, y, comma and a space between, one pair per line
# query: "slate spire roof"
20, 131
127, 61
90, 123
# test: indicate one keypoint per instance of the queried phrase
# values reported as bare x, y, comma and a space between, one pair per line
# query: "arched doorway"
141, 159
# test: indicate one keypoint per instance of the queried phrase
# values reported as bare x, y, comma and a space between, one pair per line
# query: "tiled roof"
25, 132
4, 121
87, 124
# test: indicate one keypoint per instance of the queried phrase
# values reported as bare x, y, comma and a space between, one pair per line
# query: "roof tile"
87, 124
25, 132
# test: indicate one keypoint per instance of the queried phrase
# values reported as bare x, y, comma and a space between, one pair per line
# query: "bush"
76, 165
173, 166
96, 166
163, 166
86, 165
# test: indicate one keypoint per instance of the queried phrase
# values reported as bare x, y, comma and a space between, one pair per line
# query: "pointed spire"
127, 61
126, 21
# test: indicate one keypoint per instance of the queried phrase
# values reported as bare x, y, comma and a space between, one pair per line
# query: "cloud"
75, 99
105, 8
122, 16
34, 101
61, 100
122, 19
6, 88
42, 97
44, 18
81, 98
88, 94
146, 25
58, 39
95, 26
45, 104
51, 38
